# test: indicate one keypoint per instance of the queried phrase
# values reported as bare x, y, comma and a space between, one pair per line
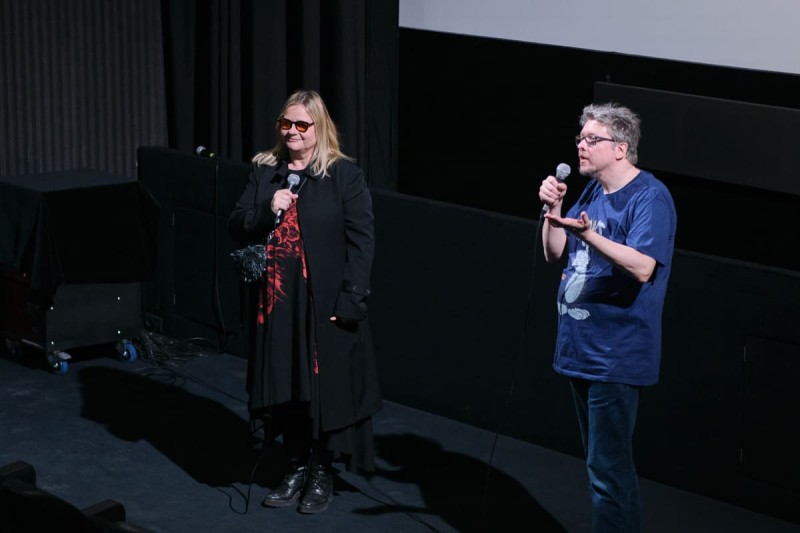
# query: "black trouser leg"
296, 432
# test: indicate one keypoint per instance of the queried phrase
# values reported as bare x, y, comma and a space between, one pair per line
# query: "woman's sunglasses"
301, 125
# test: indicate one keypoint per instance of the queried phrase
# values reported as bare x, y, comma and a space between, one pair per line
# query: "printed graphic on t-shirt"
574, 286
576, 282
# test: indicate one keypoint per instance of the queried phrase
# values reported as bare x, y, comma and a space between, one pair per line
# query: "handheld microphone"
202, 151
562, 172
292, 181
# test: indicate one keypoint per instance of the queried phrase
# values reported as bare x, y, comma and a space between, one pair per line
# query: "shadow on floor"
454, 487
207, 440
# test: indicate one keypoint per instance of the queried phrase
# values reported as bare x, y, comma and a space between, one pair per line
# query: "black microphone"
202, 151
292, 181
562, 172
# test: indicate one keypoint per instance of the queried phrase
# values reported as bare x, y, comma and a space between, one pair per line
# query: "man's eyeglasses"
301, 125
591, 140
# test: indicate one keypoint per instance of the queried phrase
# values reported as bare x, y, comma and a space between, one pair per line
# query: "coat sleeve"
359, 226
251, 218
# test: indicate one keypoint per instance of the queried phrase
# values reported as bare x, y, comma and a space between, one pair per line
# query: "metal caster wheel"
127, 351
58, 362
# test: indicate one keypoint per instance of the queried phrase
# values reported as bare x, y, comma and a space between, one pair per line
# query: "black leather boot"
289, 490
319, 490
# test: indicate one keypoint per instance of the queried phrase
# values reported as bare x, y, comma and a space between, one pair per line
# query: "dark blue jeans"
607, 419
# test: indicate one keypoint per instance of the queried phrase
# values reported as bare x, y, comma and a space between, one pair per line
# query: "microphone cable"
267, 289
562, 171
221, 334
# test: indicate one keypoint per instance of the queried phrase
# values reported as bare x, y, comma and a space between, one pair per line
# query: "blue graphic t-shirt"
609, 323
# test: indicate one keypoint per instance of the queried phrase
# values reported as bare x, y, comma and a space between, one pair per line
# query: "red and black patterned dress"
284, 325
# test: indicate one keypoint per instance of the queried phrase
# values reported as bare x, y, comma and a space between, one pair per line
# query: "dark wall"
464, 318
464, 315
196, 293
482, 121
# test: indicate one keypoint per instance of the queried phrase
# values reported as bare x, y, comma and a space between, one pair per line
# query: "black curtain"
230, 64
81, 84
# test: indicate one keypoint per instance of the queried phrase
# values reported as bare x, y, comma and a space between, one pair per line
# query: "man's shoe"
318, 492
289, 490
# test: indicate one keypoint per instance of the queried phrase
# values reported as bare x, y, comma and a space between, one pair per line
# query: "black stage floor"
167, 438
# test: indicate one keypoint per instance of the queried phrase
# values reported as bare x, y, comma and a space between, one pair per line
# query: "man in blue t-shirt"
617, 241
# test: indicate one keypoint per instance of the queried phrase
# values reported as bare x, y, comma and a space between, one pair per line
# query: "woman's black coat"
337, 227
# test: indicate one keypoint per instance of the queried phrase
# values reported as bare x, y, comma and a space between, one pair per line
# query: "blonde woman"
311, 368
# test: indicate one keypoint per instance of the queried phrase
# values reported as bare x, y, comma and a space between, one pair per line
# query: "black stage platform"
166, 436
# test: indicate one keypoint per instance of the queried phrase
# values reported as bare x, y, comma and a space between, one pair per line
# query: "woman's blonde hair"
327, 150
